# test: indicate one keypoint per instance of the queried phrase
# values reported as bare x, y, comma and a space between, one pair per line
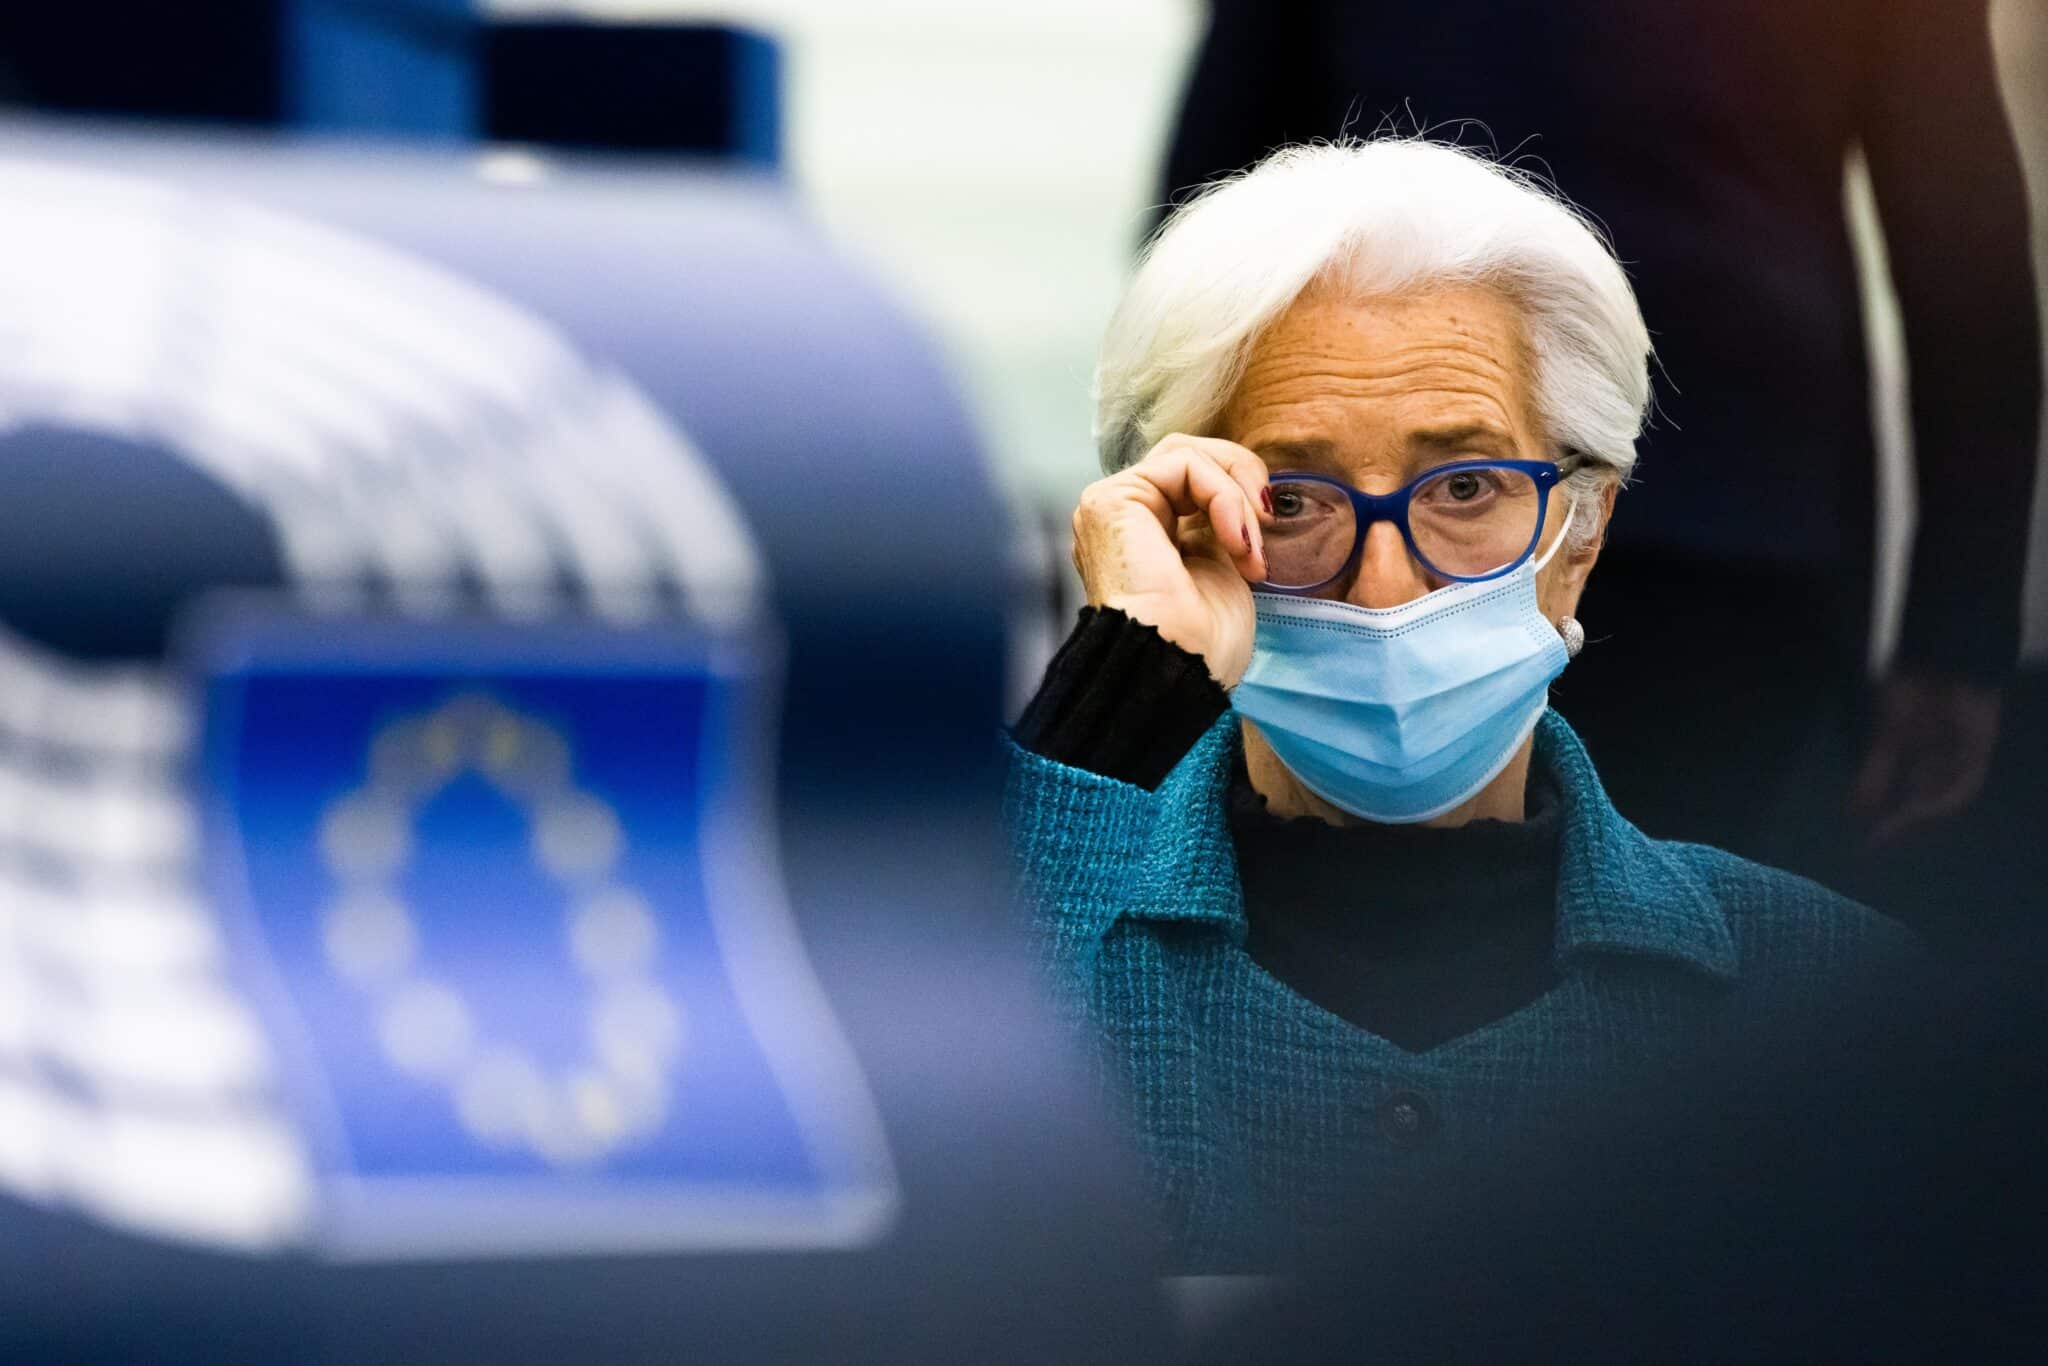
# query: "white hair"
1374, 219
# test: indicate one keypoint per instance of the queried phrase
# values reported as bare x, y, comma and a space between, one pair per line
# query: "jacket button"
1407, 1119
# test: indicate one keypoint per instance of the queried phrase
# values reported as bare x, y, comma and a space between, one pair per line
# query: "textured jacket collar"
1618, 891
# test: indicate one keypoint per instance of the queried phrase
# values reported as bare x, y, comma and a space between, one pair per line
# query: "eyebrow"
1311, 453
1316, 453
1464, 436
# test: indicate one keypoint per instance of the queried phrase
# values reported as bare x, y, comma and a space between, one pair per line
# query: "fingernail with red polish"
1266, 500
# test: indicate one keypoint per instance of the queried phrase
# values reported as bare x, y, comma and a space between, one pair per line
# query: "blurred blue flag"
507, 903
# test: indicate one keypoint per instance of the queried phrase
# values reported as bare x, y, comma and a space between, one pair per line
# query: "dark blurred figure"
1857, 1180
1709, 137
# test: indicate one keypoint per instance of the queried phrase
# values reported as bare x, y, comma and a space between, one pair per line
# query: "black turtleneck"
1417, 934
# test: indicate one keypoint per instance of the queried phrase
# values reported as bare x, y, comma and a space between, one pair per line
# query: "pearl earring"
1574, 636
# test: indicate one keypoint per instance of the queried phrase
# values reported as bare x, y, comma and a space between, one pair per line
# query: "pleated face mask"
1400, 714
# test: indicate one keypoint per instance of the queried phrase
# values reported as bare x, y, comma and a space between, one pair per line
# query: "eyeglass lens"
1465, 522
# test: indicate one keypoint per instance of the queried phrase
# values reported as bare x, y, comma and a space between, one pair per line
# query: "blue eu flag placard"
508, 904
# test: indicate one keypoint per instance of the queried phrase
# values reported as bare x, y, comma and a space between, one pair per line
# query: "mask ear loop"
1570, 510
1574, 634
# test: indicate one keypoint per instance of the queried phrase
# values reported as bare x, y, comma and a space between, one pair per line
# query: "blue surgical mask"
1399, 714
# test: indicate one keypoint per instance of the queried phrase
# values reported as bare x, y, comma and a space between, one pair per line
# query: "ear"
1565, 577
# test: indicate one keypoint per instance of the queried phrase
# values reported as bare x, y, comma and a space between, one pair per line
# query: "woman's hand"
1174, 542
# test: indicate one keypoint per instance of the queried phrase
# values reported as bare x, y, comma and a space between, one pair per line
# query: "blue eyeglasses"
1468, 521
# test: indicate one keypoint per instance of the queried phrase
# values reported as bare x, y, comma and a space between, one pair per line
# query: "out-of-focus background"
1000, 164
409, 410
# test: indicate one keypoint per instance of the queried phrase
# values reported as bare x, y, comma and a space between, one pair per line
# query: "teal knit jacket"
1260, 1115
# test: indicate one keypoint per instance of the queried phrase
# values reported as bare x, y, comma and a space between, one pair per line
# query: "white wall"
994, 162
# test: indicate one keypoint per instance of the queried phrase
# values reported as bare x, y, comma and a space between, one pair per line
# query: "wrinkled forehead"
1376, 389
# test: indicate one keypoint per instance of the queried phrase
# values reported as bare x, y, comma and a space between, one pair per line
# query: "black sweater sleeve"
1121, 700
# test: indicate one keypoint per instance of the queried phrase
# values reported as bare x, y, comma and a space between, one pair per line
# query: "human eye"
1303, 502
1462, 487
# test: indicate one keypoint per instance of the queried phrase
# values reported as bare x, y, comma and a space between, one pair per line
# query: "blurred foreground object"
451, 70
499, 845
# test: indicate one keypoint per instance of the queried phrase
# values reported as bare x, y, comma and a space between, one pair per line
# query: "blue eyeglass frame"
1367, 508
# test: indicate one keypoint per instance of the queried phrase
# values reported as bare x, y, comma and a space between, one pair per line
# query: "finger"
1198, 541
1244, 466
1194, 481
1248, 472
1234, 514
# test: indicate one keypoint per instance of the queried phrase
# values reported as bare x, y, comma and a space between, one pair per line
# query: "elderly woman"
1310, 851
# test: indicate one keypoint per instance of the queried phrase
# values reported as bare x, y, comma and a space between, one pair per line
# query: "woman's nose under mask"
1399, 714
